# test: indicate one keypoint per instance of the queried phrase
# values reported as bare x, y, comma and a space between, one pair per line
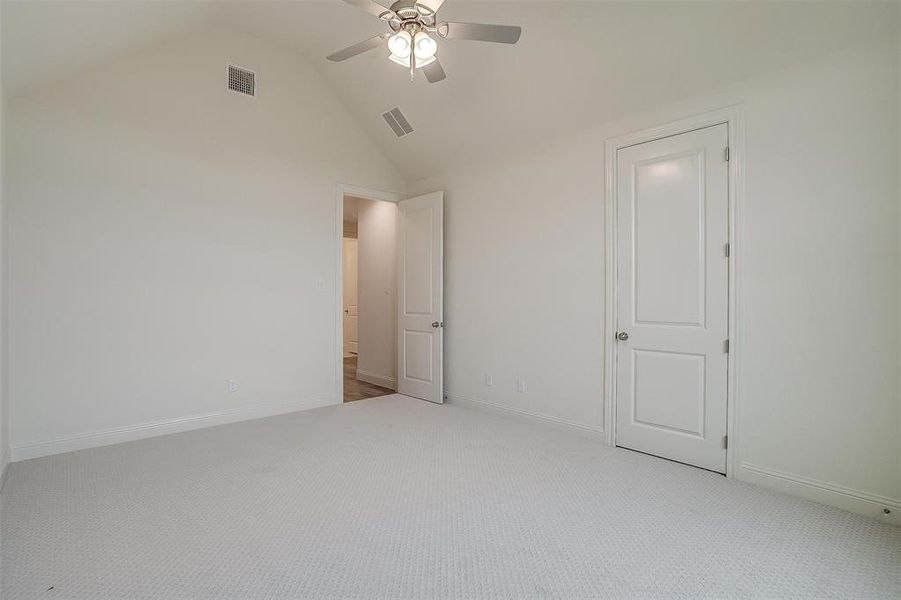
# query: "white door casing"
420, 275
672, 205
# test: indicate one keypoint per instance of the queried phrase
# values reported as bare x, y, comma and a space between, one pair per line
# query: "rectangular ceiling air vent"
242, 80
397, 122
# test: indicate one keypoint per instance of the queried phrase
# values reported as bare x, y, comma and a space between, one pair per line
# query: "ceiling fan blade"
434, 72
359, 48
434, 5
502, 34
373, 8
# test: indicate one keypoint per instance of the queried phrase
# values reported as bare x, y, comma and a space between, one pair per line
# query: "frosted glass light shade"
424, 46
400, 44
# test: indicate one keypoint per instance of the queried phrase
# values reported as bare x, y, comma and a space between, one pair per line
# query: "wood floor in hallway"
354, 389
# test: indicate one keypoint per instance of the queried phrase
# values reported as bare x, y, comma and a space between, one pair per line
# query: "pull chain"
412, 56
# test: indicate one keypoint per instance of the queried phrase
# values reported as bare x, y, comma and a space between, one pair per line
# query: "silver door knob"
622, 336
435, 324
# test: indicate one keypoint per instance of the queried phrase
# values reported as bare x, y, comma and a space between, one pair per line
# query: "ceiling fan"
409, 42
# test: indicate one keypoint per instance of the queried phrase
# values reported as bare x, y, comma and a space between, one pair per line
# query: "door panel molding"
701, 362
733, 116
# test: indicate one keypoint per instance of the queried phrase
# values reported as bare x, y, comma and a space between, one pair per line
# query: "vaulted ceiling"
577, 63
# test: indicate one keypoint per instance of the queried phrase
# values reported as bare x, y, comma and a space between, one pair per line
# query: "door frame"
733, 117
343, 189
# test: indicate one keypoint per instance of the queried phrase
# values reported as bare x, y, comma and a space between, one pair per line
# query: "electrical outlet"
489, 380
521, 386
232, 386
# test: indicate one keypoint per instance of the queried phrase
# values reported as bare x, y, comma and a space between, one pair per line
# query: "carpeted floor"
398, 498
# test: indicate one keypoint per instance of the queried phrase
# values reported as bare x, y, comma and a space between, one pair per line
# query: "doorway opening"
369, 299
395, 324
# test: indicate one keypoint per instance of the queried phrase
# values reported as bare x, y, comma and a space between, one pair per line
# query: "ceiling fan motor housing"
409, 12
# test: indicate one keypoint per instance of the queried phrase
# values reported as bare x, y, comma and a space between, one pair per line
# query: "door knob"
436, 324
622, 336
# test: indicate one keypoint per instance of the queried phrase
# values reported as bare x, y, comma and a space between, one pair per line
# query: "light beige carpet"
398, 498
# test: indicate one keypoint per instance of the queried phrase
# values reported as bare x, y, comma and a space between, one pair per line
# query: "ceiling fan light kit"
414, 26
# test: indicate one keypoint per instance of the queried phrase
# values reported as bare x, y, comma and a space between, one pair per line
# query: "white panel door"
672, 297
420, 276
351, 316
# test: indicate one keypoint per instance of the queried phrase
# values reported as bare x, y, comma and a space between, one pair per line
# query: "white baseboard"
4, 465
376, 379
128, 433
855, 501
521, 414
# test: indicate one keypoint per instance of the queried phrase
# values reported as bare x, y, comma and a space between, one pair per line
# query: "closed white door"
420, 275
351, 317
672, 297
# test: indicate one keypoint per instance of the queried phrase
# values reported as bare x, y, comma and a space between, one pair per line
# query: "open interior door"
420, 280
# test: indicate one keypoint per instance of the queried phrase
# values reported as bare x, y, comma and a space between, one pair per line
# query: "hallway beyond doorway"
354, 389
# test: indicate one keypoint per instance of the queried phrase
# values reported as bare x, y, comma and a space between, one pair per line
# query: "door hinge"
726, 153
726, 346
726, 442
726, 250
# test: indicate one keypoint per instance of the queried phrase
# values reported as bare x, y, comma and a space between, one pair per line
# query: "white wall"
4, 287
898, 184
819, 396
168, 236
377, 235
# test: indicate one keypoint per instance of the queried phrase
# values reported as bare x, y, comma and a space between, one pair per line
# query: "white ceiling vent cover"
397, 122
242, 80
